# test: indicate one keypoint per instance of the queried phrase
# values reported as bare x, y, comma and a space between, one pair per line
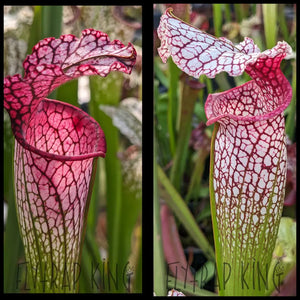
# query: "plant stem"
172, 103
218, 18
189, 97
218, 247
51, 26
159, 262
197, 173
290, 120
270, 24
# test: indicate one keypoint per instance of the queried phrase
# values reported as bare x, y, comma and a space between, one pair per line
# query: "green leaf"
227, 13
89, 282
138, 283
118, 201
282, 22
222, 80
290, 121
68, 92
187, 104
180, 209
196, 178
205, 213
51, 17
159, 73
218, 18
173, 93
270, 24
51, 21
161, 127
159, 270
36, 29
205, 273
13, 250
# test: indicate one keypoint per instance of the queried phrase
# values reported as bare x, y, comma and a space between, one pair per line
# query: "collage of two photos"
77, 212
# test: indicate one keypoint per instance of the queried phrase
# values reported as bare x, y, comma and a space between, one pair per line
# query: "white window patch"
182, 31
190, 35
215, 53
240, 168
236, 177
194, 64
204, 57
270, 130
203, 46
215, 185
187, 54
255, 219
223, 181
249, 149
228, 192
184, 40
257, 168
256, 196
271, 176
233, 163
254, 178
267, 160
269, 184
263, 144
235, 151
174, 32
266, 138
244, 161
235, 191
265, 200
237, 142
211, 66
235, 68
216, 172
174, 50
261, 183
177, 42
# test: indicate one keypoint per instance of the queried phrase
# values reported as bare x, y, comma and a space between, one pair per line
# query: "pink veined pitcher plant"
56, 150
248, 153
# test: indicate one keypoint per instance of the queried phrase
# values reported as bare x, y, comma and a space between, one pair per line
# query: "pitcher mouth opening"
219, 106
60, 131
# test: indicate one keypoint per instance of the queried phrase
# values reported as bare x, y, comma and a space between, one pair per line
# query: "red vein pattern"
250, 145
195, 52
56, 149
250, 158
56, 61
